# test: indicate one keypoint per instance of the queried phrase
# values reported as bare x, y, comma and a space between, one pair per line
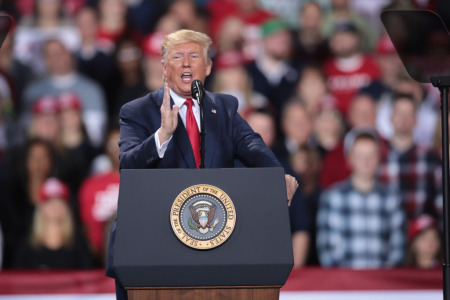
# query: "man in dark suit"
151, 135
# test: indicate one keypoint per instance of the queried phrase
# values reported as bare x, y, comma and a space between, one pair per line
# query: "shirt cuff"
161, 148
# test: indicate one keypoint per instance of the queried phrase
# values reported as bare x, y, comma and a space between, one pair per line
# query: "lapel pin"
213, 111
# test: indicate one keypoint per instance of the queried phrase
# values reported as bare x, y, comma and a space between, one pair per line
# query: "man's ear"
208, 68
164, 68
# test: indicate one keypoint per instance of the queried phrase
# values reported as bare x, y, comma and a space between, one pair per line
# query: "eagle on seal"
203, 213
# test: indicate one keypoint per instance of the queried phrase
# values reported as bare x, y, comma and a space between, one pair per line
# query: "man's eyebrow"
182, 52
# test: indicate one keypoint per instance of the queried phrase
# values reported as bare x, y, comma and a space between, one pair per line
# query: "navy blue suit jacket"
227, 137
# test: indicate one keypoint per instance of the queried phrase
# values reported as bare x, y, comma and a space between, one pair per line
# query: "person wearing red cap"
28, 167
74, 148
53, 242
424, 238
45, 120
151, 49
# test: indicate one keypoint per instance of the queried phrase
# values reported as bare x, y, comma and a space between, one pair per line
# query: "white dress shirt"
183, 109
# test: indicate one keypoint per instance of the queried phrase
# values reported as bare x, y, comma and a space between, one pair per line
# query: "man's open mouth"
186, 77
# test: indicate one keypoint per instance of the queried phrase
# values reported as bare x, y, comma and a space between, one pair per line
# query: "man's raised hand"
169, 117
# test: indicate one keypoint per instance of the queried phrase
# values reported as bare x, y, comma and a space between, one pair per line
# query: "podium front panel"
147, 253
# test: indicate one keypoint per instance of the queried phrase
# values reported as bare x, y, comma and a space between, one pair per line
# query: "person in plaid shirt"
407, 167
360, 222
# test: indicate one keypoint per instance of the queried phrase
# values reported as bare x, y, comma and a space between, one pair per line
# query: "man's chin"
184, 91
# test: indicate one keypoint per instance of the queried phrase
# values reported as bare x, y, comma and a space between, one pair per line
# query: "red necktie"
192, 131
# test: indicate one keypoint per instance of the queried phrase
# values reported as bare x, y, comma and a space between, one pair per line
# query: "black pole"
198, 92
445, 175
202, 136
443, 83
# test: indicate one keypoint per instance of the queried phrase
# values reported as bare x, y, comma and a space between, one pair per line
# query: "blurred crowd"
320, 81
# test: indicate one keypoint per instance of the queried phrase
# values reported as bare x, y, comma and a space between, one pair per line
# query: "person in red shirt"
113, 24
99, 195
361, 115
349, 69
252, 16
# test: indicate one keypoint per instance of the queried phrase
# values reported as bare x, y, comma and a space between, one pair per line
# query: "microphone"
197, 90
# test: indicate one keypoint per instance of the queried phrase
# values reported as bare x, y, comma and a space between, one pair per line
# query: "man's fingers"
291, 187
175, 110
166, 99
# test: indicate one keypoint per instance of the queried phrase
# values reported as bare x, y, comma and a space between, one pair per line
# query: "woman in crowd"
28, 167
53, 242
329, 129
75, 152
424, 243
38, 165
311, 90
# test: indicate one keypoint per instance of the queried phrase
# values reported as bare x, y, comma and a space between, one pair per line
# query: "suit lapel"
211, 129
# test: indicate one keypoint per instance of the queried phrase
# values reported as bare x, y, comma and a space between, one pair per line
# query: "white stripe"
366, 295
335, 295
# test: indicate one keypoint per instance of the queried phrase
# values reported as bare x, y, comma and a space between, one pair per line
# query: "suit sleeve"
137, 148
249, 146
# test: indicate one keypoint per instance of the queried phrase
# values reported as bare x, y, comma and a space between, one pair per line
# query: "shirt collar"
377, 187
178, 100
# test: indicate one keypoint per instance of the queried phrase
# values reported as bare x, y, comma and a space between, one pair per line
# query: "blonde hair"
185, 36
38, 231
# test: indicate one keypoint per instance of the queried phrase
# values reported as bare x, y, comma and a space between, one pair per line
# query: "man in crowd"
349, 69
341, 11
411, 169
360, 223
62, 76
273, 74
161, 130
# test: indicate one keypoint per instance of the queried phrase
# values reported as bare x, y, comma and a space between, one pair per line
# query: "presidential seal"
203, 216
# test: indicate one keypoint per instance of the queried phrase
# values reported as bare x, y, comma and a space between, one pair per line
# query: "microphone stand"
443, 83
